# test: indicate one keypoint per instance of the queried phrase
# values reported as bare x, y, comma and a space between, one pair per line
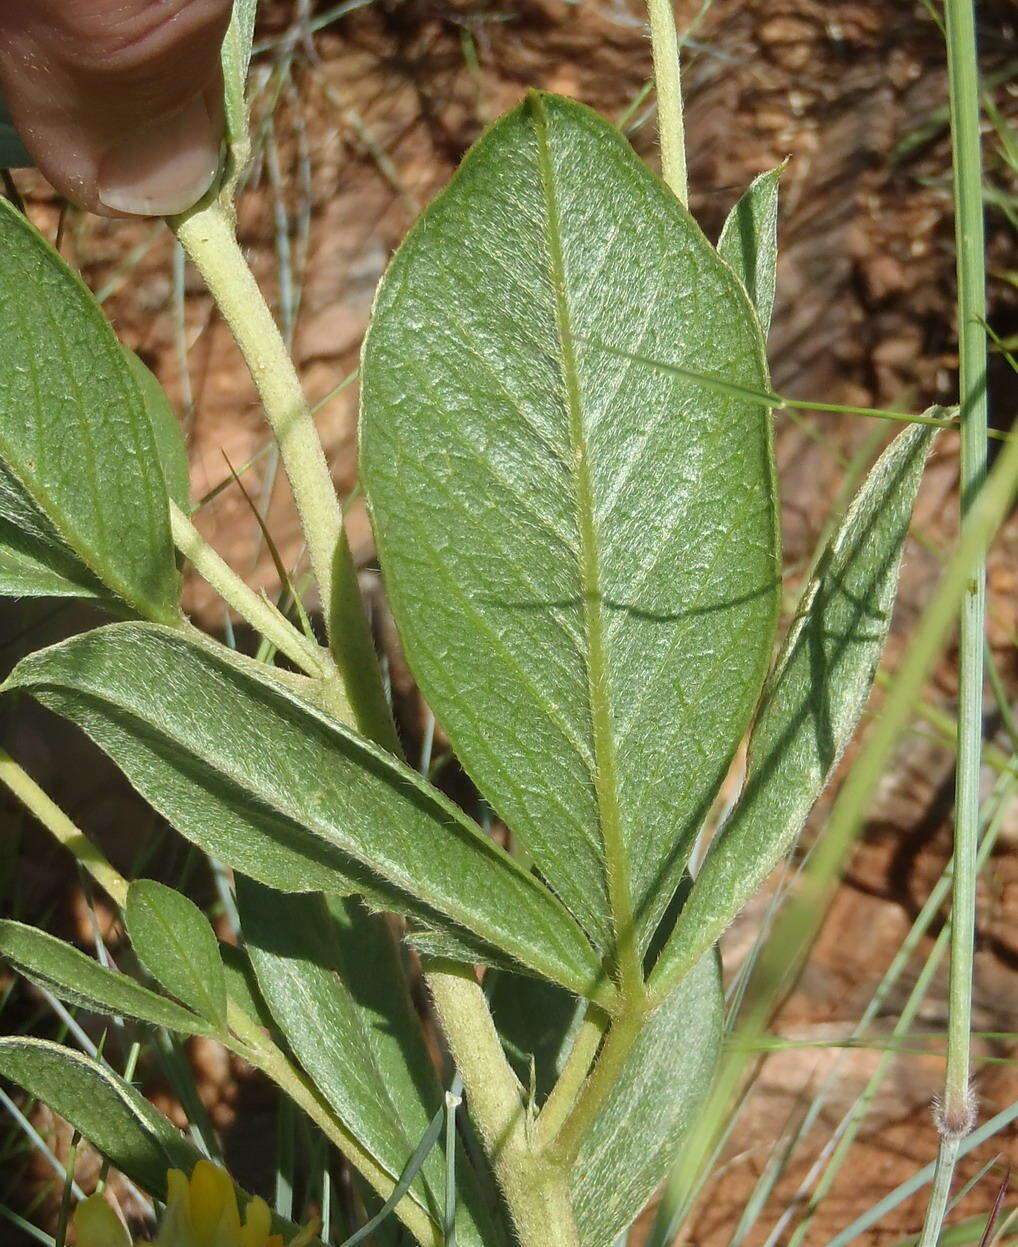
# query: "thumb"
118, 101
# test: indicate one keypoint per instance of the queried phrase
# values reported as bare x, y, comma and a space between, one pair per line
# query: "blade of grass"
26, 1227
905, 1190
452, 1103
39, 1143
65, 1199
957, 1114
778, 402
406, 1178
263, 617
286, 584
826, 1164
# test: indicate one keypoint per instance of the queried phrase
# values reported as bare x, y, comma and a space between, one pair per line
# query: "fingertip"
164, 171
118, 101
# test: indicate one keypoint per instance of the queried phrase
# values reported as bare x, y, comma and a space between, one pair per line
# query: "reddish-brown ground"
373, 125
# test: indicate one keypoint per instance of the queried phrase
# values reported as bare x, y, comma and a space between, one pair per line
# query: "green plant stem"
569, 1084
565, 1146
56, 822
956, 1115
254, 1046
208, 237
940, 1188
534, 1186
668, 81
259, 613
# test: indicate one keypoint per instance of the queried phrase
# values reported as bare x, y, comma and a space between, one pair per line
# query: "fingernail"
164, 169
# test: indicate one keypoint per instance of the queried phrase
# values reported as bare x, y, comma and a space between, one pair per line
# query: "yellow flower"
200, 1212
97, 1225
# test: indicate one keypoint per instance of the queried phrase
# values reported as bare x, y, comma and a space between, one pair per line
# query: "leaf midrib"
319, 828
213, 1010
98, 560
605, 775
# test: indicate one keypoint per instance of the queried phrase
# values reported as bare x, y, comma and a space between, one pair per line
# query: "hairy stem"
535, 1190
565, 1146
562, 1098
956, 1115
208, 237
668, 80
56, 822
259, 613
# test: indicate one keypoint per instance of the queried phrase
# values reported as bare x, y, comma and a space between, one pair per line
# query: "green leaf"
35, 561
73, 428
108, 1111
749, 242
581, 554
115, 1118
536, 1022
365, 1052
173, 939
331, 961
73, 976
236, 57
274, 787
169, 438
636, 1137
812, 702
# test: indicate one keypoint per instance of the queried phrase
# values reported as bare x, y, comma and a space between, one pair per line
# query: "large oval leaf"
274, 787
74, 431
580, 551
812, 702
